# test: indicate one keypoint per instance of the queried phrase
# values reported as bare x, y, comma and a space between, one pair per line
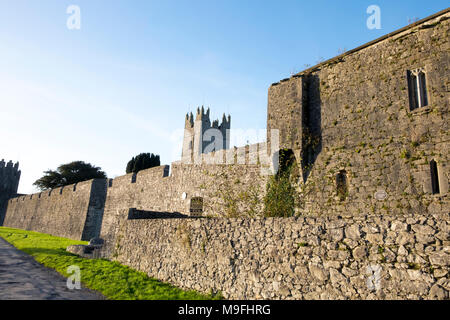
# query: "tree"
130, 165
69, 173
142, 162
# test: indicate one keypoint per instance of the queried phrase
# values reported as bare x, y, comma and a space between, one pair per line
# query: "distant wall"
367, 257
72, 211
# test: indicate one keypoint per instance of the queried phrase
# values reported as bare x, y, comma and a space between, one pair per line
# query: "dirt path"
22, 278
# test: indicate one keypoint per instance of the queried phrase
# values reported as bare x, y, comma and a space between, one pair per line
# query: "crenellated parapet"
9, 178
189, 121
203, 136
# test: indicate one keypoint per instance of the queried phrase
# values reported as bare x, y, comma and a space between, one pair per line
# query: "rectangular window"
417, 86
434, 177
342, 185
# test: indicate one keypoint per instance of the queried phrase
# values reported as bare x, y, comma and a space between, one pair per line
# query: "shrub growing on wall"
280, 197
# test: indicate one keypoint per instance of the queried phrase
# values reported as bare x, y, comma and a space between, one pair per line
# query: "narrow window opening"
434, 177
342, 185
423, 89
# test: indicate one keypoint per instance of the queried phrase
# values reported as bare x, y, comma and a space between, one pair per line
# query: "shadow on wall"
312, 124
94, 217
3, 206
134, 214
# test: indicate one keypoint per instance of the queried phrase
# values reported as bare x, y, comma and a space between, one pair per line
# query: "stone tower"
202, 136
9, 183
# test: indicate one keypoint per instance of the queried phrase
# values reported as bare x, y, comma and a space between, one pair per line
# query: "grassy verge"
112, 279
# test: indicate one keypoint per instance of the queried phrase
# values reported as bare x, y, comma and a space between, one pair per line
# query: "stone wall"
72, 212
227, 191
366, 257
95, 207
352, 115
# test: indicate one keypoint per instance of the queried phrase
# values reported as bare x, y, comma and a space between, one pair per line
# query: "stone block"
440, 259
352, 232
318, 272
375, 238
359, 253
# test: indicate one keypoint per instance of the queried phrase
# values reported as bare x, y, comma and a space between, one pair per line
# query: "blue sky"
122, 84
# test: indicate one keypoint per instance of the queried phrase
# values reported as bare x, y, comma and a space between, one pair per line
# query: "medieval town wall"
73, 211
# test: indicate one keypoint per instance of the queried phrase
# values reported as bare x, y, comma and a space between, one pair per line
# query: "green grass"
113, 280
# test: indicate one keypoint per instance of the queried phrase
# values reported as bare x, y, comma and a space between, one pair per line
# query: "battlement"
57, 192
201, 136
203, 116
9, 178
254, 154
10, 165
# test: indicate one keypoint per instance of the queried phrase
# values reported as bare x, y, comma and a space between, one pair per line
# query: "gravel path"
22, 278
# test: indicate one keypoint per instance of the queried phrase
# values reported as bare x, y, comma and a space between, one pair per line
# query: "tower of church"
202, 136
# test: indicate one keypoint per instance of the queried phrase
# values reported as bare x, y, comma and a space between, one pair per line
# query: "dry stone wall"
366, 257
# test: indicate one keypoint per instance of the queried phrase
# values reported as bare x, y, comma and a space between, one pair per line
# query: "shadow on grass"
47, 251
